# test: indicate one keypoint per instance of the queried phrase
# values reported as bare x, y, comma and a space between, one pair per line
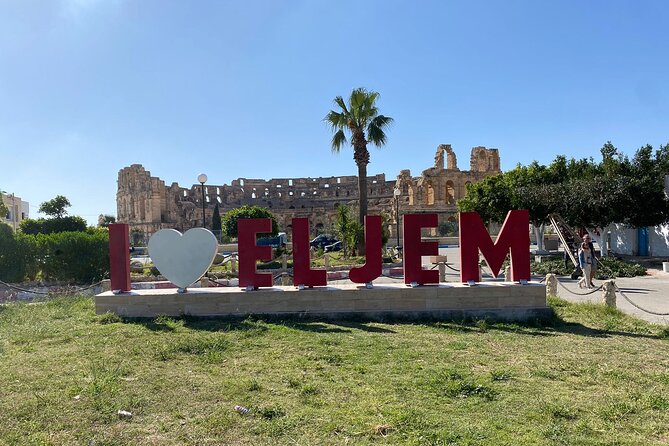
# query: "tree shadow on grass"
260, 323
549, 326
553, 326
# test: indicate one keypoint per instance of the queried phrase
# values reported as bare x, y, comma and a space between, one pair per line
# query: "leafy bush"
229, 219
349, 230
77, 257
53, 225
552, 265
614, 267
449, 228
17, 255
609, 267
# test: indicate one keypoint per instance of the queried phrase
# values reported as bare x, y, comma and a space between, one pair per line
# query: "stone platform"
497, 300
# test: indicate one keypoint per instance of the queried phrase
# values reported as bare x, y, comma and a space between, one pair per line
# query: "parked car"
143, 259
337, 246
275, 242
323, 240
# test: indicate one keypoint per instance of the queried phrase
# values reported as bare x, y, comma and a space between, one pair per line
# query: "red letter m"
514, 237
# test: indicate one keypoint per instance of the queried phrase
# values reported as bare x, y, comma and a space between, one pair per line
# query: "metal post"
397, 220
397, 193
202, 178
204, 219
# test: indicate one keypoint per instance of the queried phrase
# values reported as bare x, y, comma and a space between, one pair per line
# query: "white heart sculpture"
183, 259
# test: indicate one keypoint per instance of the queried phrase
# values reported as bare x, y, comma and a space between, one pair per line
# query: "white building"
651, 241
18, 210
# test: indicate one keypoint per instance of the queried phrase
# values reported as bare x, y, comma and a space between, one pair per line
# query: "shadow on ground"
552, 326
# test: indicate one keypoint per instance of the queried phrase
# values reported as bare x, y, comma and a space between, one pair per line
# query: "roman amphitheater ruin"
148, 205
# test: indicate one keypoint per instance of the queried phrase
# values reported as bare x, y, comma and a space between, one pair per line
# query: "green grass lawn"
591, 376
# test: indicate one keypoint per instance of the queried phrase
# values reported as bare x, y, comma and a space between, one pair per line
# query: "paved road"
650, 292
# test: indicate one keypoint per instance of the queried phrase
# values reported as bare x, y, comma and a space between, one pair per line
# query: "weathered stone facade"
148, 205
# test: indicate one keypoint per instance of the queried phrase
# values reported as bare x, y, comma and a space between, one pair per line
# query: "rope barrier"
618, 290
70, 290
580, 294
217, 282
637, 306
12, 287
89, 286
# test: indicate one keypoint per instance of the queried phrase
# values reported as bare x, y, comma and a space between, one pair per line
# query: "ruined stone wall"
147, 205
438, 188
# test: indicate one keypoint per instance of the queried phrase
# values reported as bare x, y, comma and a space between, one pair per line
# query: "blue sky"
239, 88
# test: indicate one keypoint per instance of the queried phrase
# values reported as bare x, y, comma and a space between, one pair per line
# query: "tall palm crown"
362, 120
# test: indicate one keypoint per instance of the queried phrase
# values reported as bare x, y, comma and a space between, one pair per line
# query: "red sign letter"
372, 267
249, 252
514, 237
119, 257
414, 248
302, 272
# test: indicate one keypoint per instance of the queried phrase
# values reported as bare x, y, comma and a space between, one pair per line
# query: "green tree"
55, 207
216, 226
586, 193
349, 231
491, 198
229, 219
361, 118
3, 208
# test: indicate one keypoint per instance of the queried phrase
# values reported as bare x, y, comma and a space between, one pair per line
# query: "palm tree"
361, 118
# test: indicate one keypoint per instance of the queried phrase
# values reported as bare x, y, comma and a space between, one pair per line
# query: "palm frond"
382, 121
340, 102
336, 120
375, 130
370, 104
338, 140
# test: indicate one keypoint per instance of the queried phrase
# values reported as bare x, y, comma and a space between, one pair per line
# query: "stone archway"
429, 194
450, 192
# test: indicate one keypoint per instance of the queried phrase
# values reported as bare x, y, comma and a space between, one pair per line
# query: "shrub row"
72, 257
53, 225
609, 267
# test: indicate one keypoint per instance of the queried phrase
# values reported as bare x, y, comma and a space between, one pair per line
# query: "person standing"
586, 259
588, 240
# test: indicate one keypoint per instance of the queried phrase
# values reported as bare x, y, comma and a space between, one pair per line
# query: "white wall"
659, 241
625, 240
622, 238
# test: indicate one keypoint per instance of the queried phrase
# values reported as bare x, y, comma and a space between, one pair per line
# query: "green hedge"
53, 225
72, 257
17, 255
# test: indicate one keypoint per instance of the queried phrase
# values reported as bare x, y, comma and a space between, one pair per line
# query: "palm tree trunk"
362, 192
362, 203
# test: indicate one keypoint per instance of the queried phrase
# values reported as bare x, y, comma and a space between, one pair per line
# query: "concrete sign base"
497, 300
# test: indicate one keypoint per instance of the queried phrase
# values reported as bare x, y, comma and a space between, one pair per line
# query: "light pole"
397, 192
202, 178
